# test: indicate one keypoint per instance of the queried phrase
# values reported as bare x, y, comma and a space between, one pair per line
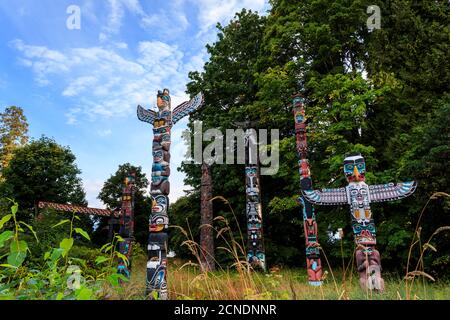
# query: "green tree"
228, 83
13, 133
111, 195
383, 93
42, 171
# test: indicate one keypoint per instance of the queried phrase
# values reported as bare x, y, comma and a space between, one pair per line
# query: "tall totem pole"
358, 195
313, 263
255, 242
127, 225
162, 122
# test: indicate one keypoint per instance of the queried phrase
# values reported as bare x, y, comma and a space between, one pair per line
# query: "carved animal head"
355, 168
163, 100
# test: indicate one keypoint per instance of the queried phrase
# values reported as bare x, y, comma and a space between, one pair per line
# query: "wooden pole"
206, 223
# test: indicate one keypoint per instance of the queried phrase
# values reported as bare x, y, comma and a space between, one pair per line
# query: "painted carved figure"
255, 244
127, 225
313, 263
358, 195
162, 122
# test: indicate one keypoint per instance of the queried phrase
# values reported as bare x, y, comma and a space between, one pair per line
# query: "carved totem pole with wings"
358, 195
162, 122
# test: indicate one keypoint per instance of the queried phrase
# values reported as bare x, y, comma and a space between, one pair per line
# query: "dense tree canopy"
42, 171
383, 93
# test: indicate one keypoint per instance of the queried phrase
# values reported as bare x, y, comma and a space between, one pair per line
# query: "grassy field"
186, 282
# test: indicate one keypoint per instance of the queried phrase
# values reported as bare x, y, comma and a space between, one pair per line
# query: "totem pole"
206, 231
313, 263
255, 243
358, 195
127, 225
162, 122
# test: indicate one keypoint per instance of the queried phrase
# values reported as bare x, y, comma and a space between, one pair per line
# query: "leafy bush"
62, 272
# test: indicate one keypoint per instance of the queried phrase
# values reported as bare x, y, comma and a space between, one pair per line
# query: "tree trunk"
206, 230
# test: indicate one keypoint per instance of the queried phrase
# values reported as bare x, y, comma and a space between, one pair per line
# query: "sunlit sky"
81, 86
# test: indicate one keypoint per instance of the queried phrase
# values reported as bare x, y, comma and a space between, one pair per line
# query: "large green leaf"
5, 236
14, 209
56, 253
4, 220
61, 223
114, 278
18, 253
84, 294
66, 245
83, 233
18, 246
100, 259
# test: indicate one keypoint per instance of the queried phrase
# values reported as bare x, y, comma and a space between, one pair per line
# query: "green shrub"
64, 272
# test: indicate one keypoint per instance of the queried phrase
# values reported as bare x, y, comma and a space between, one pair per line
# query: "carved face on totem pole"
163, 100
355, 168
129, 179
358, 195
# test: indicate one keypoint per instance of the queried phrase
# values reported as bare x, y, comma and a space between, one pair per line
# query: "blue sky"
81, 87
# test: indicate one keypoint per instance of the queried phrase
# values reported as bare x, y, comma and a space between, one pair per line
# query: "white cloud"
79, 85
42, 60
72, 116
92, 189
168, 20
197, 61
103, 83
115, 16
213, 11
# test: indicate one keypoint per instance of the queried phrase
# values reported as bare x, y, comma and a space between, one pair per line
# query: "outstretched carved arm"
187, 107
326, 197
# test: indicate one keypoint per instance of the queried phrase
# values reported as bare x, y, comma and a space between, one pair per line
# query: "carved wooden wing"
146, 115
187, 107
326, 197
391, 191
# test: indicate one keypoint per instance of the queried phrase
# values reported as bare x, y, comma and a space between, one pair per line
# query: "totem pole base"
156, 266
369, 269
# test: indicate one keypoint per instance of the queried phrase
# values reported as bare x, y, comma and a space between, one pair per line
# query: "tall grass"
188, 281
419, 270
